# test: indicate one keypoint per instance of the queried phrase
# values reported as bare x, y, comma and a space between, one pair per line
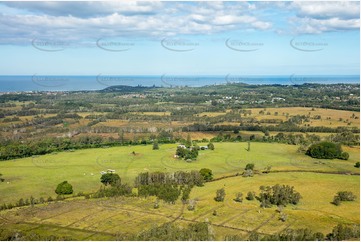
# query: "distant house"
203, 147
103, 172
110, 170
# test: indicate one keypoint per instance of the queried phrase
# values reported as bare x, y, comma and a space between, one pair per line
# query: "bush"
110, 179
249, 166
155, 145
250, 196
220, 195
327, 150
336, 201
357, 164
344, 232
206, 174
344, 156
211, 146
64, 188
346, 196
239, 197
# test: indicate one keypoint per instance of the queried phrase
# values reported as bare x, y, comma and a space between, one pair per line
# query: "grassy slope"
38, 176
102, 219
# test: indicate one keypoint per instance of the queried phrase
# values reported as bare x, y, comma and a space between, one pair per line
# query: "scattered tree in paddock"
220, 195
239, 197
249, 166
250, 196
155, 145
344, 232
343, 196
206, 174
64, 188
110, 179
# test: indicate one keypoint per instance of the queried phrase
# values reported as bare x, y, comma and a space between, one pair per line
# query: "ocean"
99, 82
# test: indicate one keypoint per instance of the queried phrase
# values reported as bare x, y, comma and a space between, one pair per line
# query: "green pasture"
38, 176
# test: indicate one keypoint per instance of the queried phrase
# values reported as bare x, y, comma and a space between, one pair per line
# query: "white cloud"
319, 17
91, 20
324, 10
317, 26
88, 9
72, 20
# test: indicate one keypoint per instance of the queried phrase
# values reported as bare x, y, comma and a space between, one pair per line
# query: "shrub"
239, 197
250, 196
21, 202
64, 188
220, 195
110, 179
327, 150
206, 174
249, 166
336, 200
357, 164
346, 196
155, 145
344, 156
344, 232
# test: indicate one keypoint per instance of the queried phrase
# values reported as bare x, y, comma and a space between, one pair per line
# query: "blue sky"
182, 38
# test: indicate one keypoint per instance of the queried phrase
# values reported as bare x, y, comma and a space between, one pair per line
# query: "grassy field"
105, 219
336, 117
38, 176
108, 219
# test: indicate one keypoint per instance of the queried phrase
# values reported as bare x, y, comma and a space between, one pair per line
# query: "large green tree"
327, 150
110, 179
206, 174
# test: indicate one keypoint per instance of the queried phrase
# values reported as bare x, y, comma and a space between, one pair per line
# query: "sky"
181, 38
